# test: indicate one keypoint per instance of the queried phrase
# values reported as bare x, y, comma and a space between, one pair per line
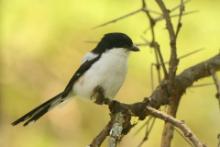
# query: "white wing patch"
89, 56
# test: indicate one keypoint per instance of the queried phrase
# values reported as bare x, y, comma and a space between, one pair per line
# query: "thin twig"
142, 44
152, 76
160, 18
178, 6
182, 135
149, 10
173, 57
136, 44
158, 66
98, 140
143, 9
143, 125
119, 18
158, 58
179, 24
154, 44
157, 47
217, 84
187, 54
149, 128
201, 85
179, 124
191, 53
125, 16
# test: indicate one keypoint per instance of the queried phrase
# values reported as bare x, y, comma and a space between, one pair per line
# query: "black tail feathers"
39, 111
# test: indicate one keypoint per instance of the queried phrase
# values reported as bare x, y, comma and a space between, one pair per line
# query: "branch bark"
184, 80
179, 124
98, 140
167, 134
116, 130
161, 95
173, 63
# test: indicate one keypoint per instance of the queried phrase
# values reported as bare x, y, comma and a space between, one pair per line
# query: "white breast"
108, 72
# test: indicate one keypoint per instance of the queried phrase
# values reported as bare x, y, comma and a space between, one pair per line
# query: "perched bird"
104, 67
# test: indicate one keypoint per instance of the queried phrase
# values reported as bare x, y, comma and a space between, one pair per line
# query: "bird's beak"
134, 48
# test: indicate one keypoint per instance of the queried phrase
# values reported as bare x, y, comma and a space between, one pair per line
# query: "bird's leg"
99, 96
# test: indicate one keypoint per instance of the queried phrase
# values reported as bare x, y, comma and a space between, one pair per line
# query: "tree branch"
160, 95
217, 84
116, 130
98, 140
184, 80
173, 57
179, 124
154, 44
169, 91
167, 134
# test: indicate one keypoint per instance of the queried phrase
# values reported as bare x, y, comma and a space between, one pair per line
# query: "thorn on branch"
144, 9
202, 85
187, 54
119, 18
191, 53
137, 44
160, 18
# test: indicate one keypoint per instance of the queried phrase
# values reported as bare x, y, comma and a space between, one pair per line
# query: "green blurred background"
42, 43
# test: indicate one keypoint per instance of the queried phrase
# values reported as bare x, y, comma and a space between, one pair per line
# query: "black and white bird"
105, 66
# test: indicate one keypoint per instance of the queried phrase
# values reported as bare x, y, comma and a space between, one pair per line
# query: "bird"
103, 67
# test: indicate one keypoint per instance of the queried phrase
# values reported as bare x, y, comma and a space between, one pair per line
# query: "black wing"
82, 69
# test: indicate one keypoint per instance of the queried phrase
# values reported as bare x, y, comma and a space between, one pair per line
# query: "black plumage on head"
113, 40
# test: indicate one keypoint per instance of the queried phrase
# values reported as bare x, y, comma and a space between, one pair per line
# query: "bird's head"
115, 40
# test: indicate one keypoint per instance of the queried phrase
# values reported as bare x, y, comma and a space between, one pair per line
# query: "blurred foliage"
42, 43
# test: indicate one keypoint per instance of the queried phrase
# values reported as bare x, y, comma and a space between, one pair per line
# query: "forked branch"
170, 89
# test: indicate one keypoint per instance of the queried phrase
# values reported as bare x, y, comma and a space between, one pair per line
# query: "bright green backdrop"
42, 43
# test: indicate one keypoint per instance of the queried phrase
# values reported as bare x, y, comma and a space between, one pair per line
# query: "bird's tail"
39, 111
